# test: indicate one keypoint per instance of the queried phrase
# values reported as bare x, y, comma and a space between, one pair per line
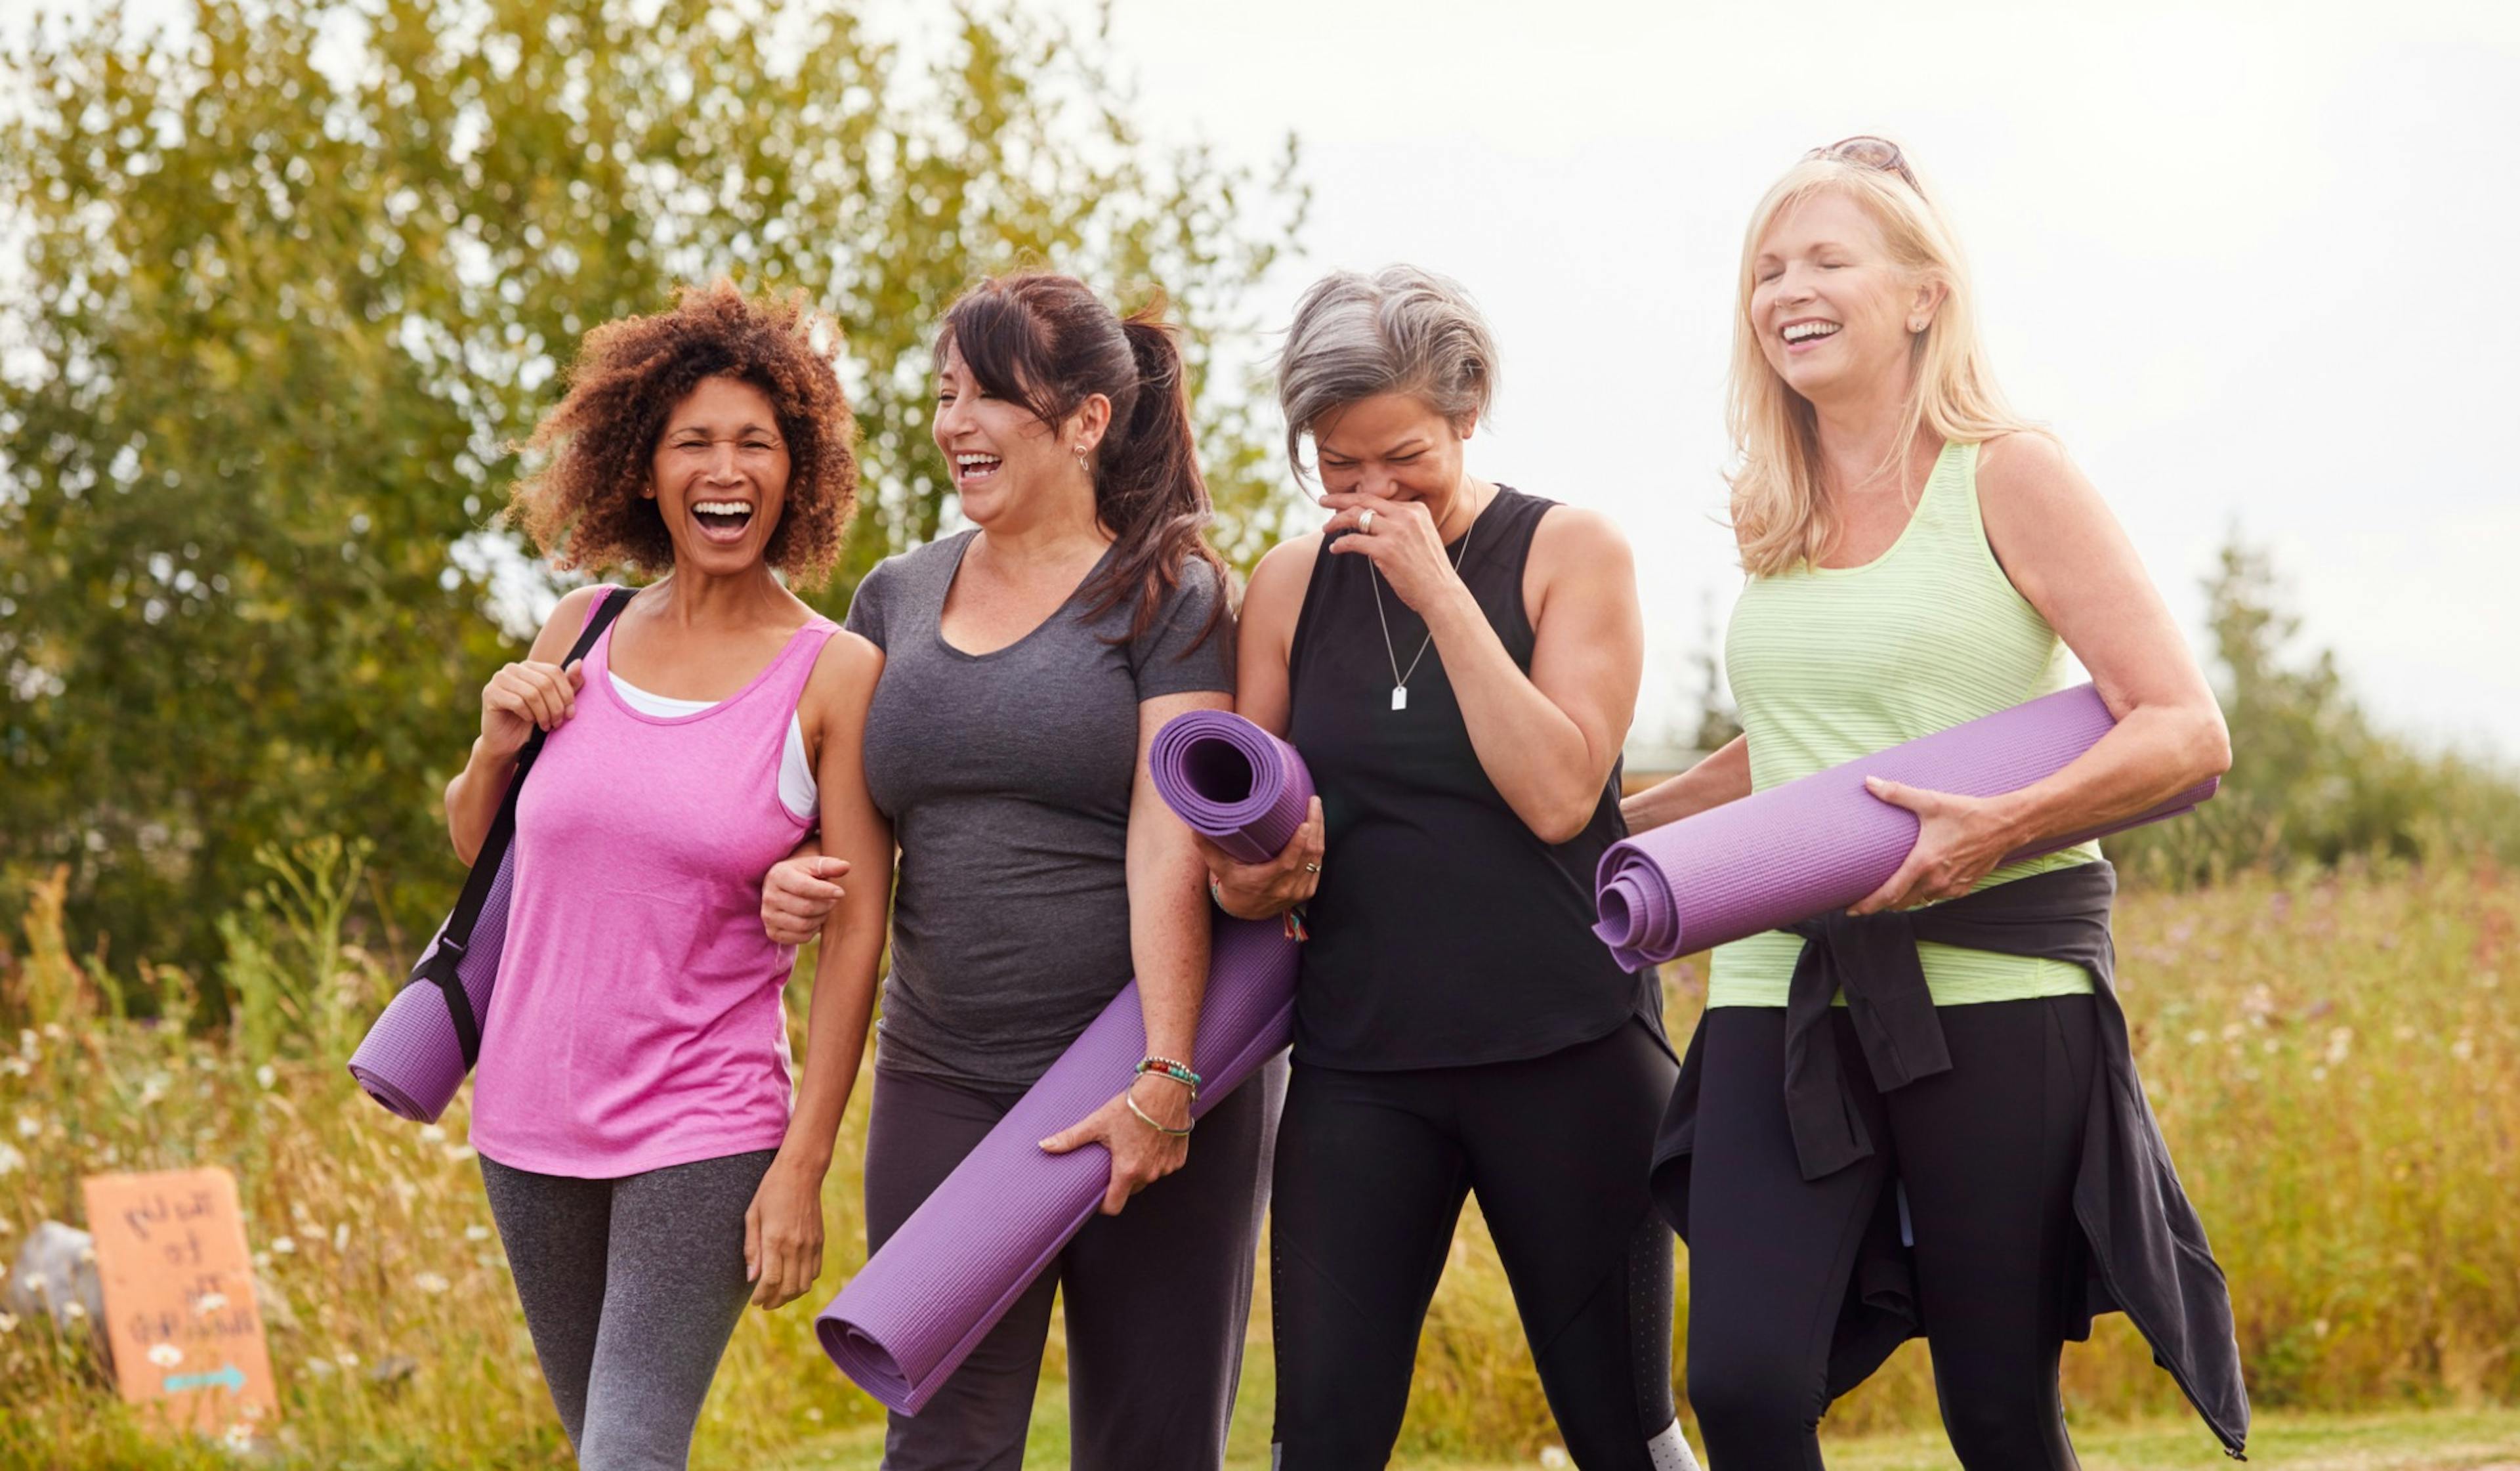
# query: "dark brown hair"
1047, 343
584, 506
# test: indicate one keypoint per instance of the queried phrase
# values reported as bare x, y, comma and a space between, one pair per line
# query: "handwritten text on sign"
179, 1309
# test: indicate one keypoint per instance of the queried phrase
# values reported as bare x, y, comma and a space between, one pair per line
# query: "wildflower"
476, 1233
319, 1366
431, 1134
814, 1412
2198, 1036
265, 1076
8, 1323
430, 1281
239, 1437
285, 1245
2340, 1040
29, 1125
11, 1160
165, 1355
349, 1360
2231, 1032
2464, 1049
1553, 1455
209, 1302
74, 1309
26, 1044
457, 1154
342, 1236
53, 1033
2270, 1047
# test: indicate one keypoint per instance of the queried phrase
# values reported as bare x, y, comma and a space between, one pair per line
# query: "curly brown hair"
583, 507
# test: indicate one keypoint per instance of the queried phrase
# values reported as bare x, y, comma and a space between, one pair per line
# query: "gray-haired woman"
1457, 663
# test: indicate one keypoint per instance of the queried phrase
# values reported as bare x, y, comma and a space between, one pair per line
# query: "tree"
279, 318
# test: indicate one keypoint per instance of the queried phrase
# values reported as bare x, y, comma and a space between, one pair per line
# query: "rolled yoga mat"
1822, 843
928, 1296
411, 1061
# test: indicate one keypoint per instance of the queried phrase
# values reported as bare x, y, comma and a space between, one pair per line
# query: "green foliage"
2313, 781
279, 320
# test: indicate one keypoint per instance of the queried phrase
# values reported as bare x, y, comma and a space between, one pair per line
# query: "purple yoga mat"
1824, 841
928, 1296
410, 1060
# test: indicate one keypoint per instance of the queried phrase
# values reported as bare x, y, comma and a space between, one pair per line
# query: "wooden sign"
179, 1307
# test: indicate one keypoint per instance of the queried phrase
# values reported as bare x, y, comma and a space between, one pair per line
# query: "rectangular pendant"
1400, 697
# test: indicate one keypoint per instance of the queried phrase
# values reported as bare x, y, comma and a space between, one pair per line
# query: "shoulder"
1572, 533
560, 629
844, 676
2028, 465
1285, 570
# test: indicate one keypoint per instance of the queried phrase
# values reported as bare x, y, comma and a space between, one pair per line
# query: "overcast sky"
2254, 263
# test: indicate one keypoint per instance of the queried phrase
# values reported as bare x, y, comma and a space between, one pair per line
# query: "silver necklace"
1399, 677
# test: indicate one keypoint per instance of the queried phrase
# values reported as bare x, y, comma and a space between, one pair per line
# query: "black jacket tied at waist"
2147, 1252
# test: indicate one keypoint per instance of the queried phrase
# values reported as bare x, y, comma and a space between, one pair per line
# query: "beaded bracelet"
1165, 1067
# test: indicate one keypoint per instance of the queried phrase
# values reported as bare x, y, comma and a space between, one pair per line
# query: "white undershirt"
797, 791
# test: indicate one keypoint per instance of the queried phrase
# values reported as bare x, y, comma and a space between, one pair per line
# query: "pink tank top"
637, 1022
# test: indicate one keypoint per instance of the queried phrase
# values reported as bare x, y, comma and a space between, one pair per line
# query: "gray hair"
1400, 330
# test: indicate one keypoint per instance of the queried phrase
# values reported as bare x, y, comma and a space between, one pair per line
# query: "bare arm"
2060, 546
783, 1230
1721, 776
535, 692
1168, 941
1270, 606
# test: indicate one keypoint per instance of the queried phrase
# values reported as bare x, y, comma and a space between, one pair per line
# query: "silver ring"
1365, 521
1312, 868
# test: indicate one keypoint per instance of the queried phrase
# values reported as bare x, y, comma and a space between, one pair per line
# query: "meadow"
2334, 1058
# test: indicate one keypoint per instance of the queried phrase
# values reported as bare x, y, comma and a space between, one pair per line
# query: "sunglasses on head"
1867, 152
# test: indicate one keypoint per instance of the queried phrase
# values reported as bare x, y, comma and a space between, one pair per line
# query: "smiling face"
1836, 315
1393, 446
1000, 453
719, 475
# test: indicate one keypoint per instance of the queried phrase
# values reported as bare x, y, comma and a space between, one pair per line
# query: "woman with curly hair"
1028, 663
649, 1162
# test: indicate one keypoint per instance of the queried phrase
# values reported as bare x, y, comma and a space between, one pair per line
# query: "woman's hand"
1402, 541
799, 894
1960, 840
783, 1232
1141, 1154
524, 697
1261, 891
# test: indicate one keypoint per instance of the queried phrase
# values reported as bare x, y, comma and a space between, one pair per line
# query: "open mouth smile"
1808, 333
722, 520
971, 467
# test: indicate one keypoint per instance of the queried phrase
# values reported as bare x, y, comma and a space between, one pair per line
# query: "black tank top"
1445, 932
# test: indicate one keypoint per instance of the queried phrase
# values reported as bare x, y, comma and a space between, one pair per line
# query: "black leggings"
1986, 1154
1371, 1169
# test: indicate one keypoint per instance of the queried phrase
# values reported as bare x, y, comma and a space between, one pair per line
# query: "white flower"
457, 1154
319, 1366
430, 1133
11, 1160
349, 1360
265, 1076
26, 1044
2196, 1036
239, 1437
1553, 1455
285, 1245
476, 1233
430, 1281
165, 1355
74, 1309
342, 1236
209, 1302
8, 1323
29, 1125
2340, 1041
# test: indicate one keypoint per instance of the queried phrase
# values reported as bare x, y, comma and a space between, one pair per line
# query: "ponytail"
1047, 343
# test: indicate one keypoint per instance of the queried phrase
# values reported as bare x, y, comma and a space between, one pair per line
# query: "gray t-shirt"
1006, 776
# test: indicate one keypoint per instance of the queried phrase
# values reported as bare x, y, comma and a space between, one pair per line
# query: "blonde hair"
1780, 514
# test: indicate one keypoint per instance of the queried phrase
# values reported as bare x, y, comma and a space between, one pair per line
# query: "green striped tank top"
1830, 664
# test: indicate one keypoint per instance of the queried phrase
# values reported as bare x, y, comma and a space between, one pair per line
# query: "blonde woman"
1918, 556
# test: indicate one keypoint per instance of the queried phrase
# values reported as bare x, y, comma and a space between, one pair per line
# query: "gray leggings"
631, 1288
1155, 1297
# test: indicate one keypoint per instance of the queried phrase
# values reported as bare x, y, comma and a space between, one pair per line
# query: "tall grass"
2335, 1061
